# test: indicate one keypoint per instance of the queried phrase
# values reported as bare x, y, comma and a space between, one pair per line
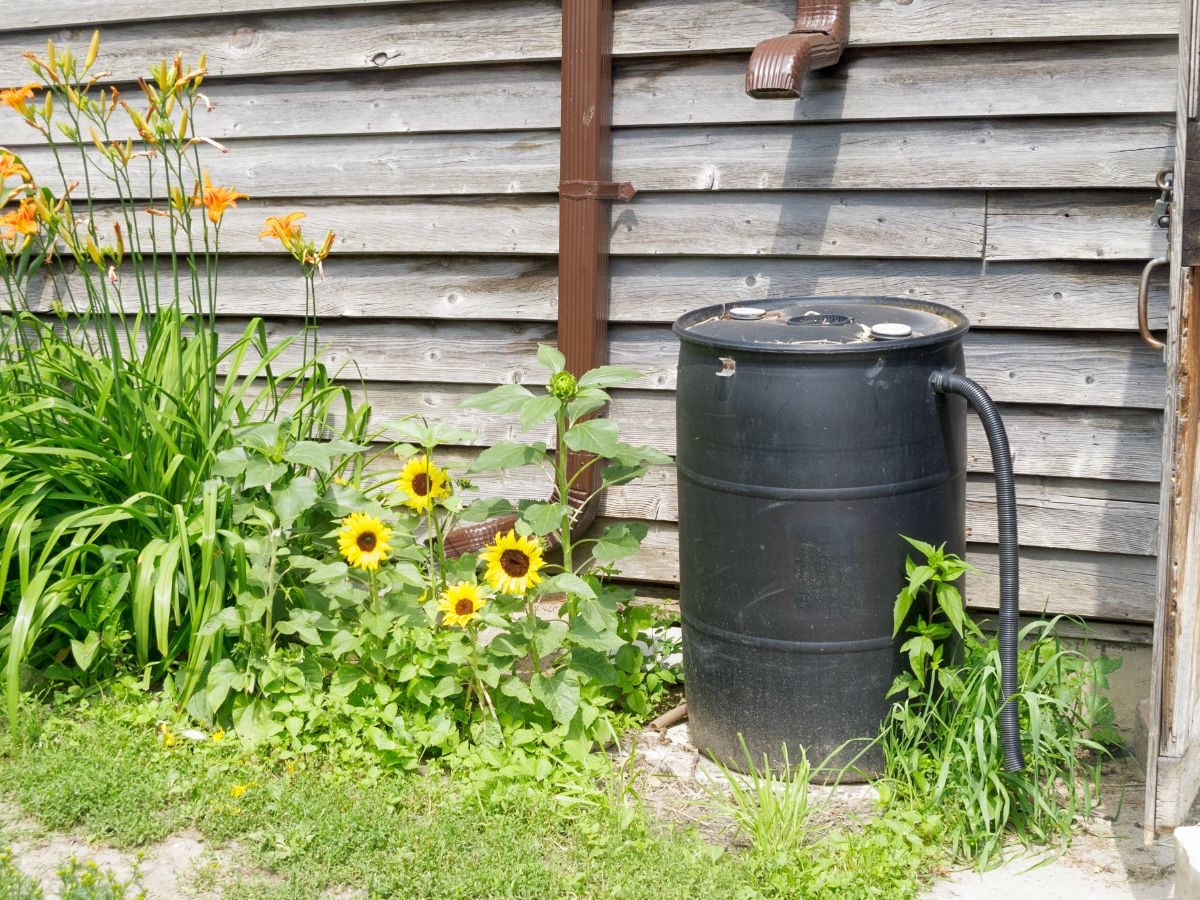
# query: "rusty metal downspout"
585, 190
778, 65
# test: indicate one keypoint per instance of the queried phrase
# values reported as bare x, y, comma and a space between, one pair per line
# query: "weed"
942, 740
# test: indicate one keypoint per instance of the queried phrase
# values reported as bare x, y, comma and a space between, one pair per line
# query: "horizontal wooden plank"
943, 224
1015, 367
1061, 296
979, 81
863, 223
664, 26
1099, 585
1073, 225
436, 34
478, 225
911, 82
878, 224
1036, 295
64, 13
418, 34
1049, 441
1096, 516
1077, 153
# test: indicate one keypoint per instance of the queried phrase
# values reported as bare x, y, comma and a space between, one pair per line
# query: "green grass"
105, 773
308, 828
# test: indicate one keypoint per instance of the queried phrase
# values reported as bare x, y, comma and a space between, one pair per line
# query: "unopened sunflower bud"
563, 386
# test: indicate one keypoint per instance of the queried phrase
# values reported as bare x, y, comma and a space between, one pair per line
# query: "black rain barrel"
809, 440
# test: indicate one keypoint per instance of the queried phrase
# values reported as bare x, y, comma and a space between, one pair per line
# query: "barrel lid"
822, 324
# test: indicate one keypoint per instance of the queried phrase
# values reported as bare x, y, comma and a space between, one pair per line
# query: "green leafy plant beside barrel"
942, 741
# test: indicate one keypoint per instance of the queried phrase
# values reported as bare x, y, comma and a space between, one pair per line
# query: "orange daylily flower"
22, 220
283, 228
217, 199
19, 97
10, 167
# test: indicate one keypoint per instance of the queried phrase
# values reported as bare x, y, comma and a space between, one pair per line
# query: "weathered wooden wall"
996, 155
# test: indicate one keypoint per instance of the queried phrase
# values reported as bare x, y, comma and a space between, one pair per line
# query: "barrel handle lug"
728, 367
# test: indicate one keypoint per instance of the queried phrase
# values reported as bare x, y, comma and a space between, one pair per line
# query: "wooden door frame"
1173, 722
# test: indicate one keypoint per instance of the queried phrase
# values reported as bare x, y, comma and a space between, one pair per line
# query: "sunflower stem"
561, 463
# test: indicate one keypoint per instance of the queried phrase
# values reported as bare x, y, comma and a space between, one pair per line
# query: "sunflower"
513, 563
461, 602
424, 483
363, 540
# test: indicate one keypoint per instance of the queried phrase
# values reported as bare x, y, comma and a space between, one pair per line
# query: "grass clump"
942, 741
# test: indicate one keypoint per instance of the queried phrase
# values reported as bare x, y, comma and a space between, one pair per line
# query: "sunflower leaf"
551, 358
538, 410
566, 583
599, 436
293, 499
593, 665
559, 693
608, 376
482, 510
262, 471
503, 399
544, 518
508, 455
620, 541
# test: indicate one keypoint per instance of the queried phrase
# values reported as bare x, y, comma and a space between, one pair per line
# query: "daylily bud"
93, 50
93, 251
183, 123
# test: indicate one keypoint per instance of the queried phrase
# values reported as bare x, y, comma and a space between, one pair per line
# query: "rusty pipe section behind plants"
585, 190
778, 65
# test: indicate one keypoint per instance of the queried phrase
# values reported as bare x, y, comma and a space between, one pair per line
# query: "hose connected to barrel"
1006, 509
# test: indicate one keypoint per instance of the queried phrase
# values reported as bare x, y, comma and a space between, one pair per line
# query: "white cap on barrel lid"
891, 330
746, 312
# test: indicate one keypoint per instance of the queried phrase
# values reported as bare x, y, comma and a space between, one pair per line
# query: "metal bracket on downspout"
578, 189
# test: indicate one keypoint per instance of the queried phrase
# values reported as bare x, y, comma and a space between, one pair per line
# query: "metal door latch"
1162, 206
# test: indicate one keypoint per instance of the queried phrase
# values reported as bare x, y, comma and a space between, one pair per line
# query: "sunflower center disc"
366, 541
420, 484
464, 607
514, 563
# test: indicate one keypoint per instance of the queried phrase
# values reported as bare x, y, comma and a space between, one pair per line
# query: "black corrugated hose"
1006, 509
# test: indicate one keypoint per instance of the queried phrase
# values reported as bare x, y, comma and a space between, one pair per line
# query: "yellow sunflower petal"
461, 603
514, 563
422, 483
363, 541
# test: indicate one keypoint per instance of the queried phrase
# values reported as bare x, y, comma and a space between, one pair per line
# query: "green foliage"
314, 827
15, 885
770, 809
175, 504
942, 739
87, 881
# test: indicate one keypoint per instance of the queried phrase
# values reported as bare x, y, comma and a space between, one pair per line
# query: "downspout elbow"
778, 65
